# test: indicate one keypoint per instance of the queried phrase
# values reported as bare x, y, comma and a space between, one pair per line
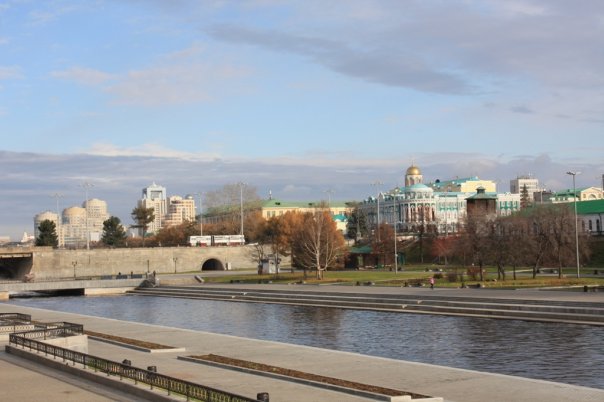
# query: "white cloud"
146, 150
177, 78
83, 75
9, 72
51, 11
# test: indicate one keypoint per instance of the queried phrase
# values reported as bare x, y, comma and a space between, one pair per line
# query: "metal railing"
51, 330
13, 322
190, 390
15, 317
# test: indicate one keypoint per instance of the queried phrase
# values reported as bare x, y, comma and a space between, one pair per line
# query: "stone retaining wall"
52, 264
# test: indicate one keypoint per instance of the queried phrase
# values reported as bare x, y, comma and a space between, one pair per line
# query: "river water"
567, 353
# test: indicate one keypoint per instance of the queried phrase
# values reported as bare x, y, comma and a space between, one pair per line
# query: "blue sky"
197, 94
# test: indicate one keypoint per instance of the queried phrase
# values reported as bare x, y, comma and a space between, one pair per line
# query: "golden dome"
413, 171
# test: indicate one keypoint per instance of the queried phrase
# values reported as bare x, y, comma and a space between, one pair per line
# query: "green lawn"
414, 275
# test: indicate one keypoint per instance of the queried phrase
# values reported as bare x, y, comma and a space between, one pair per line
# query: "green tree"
114, 234
47, 234
356, 227
525, 200
143, 217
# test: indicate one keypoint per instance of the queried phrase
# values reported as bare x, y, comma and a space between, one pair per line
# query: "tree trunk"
481, 274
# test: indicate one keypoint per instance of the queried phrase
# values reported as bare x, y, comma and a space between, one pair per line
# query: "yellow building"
271, 208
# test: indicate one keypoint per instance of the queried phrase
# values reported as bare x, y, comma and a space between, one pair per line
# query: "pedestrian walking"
432, 282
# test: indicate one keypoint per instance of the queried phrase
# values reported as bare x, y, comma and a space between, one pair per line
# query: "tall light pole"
56, 196
86, 186
329, 193
574, 174
397, 217
241, 205
377, 185
200, 194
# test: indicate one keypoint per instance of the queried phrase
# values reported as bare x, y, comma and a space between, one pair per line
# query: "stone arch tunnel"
212, 264
15, 265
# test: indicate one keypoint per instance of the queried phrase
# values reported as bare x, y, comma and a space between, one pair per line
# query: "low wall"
78, 343
54, 264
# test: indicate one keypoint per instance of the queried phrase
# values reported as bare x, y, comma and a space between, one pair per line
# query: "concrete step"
494, 310
297, 291
390, 300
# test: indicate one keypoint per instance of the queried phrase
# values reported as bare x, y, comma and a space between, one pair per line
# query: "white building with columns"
418, 207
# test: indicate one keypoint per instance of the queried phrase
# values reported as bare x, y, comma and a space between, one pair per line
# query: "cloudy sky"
296, 97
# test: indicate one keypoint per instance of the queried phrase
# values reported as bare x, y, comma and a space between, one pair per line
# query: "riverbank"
451, 384
571, 307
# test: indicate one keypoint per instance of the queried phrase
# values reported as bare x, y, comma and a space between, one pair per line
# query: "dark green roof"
361, 250
483, 196
454, 182
300, 204
590, 207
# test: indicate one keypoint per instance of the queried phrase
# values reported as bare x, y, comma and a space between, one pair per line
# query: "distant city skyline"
296, 97
30, 191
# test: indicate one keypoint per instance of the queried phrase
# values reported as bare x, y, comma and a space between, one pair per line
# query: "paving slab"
25, 381
455, 385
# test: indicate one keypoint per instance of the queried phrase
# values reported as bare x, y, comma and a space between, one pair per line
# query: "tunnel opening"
14, 268
212, 264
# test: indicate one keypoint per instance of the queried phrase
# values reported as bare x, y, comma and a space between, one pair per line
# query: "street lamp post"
377, 184
56, 196
200, 194
329, 193
397, 217
86, 186
241, 205
574, 174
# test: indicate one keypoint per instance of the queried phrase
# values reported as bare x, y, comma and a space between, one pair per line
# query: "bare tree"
474, 239
562, 233
317, 243
383, 243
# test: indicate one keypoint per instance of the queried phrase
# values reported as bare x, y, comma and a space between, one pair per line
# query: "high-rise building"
154, 197
96, 214
180, 210
76, 224
50, 216
532, 186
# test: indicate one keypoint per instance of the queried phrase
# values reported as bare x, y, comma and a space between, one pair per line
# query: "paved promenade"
503, 294
451, 384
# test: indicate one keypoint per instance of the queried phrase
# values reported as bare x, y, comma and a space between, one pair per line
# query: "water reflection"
557, 352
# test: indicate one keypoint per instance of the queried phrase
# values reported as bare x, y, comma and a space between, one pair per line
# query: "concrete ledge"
90, 375
134, 347
106, 291
78, 343
331, 387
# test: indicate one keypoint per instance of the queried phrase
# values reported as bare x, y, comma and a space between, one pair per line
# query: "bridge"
15, 262
24, 269
78, 286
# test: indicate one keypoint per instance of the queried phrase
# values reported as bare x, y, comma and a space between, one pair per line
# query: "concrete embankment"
534, 305
449, 383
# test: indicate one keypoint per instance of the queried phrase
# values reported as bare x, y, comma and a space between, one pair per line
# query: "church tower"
413, 176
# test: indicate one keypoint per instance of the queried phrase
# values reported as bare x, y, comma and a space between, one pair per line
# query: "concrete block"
77, 343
